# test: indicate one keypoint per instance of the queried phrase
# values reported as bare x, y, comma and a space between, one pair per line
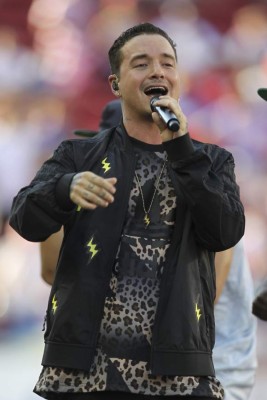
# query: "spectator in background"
49, 249
235, 357
259, 307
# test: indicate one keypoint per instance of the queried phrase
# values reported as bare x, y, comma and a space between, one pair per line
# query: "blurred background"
53, 79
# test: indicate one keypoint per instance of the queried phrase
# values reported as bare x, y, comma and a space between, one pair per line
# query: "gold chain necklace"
146, 218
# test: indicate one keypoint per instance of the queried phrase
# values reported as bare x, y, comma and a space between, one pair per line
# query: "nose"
157, 70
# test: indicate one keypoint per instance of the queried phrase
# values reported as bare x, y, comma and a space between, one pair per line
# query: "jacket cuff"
62, 192
179, 148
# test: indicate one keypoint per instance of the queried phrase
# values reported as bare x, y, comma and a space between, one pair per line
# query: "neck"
144, 131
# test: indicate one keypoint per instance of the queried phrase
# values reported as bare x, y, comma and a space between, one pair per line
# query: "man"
235, 353
259, 306
144, 208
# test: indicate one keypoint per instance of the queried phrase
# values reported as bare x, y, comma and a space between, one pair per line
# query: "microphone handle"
166, 115
169, 118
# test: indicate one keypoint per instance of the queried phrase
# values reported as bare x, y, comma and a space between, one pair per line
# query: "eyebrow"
144, 55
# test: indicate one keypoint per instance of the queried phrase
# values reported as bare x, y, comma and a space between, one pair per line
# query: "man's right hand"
89, 190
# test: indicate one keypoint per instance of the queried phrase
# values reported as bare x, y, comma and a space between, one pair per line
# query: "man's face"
148, 68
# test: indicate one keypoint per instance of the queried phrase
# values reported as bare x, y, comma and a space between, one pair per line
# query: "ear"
114, 84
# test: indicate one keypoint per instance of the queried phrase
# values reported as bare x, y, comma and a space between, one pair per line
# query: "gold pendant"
146, 220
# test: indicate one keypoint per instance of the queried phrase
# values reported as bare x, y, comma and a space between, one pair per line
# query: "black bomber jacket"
210, 218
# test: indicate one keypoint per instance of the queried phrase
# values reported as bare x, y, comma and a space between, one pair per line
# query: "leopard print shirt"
122, 354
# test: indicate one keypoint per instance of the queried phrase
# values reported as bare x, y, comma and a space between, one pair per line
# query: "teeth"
153, 89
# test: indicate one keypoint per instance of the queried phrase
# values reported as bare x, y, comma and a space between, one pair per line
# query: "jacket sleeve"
38, 210
205, 176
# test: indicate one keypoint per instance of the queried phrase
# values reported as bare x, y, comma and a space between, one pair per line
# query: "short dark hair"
115, 56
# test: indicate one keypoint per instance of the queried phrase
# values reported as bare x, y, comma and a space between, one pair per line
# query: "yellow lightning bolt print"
106, 165
92, 248
54, 304
198, 314
146, 220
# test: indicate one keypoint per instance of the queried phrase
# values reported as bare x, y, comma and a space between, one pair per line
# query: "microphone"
262, 92
166, 115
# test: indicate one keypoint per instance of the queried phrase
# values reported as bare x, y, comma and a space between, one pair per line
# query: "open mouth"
156, 91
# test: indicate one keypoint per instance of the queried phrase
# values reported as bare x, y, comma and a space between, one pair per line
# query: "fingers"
173, 105
89, 190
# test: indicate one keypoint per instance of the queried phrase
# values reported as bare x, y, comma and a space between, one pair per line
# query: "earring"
115, 85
